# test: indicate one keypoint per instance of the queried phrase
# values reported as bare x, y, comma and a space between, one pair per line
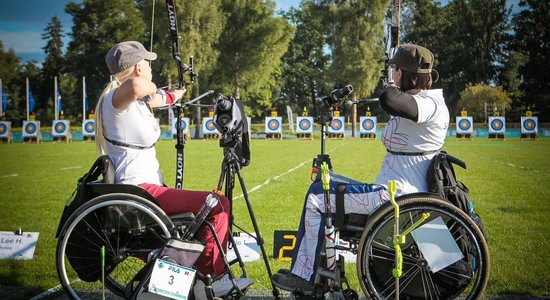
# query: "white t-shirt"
137, 126
404, 135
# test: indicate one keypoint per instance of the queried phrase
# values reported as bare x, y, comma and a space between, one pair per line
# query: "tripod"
230, 167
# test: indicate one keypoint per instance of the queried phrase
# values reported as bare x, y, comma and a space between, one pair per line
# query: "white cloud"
22, 42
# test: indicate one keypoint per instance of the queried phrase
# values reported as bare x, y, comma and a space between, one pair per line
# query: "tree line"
272, 59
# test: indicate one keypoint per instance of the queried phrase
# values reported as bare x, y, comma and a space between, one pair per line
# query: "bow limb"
393, 39
174, 40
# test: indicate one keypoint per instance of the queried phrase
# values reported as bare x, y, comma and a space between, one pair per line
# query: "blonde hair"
115, 82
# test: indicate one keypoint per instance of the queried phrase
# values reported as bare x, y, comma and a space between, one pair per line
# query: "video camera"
336, 96
230, 120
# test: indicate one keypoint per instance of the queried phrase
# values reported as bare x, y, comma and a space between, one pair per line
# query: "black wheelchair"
109, 234
417, 272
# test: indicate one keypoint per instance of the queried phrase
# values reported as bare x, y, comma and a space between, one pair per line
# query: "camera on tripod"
334, 98
230, 120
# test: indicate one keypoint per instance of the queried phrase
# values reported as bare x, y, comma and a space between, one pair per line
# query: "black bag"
441, 179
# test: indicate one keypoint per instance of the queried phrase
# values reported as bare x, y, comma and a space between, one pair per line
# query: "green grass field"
509, 182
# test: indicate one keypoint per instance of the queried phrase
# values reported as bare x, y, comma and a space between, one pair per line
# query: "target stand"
184, 126
336, 129
497, 128
61, 131
209, 129
464, 127
274, 128
5, 132
529, 127
367, 129
31, 132
304, 129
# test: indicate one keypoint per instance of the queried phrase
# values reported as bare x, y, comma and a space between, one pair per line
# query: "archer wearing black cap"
414, 135
419, 120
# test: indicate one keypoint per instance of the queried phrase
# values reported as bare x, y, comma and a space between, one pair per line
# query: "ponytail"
115, 82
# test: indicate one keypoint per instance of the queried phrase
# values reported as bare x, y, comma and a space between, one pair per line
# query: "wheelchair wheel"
128, 227
464, 279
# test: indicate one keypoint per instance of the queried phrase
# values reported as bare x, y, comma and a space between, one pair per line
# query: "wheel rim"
461, 279
125, 249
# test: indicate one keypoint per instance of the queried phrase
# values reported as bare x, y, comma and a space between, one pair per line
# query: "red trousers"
173, 201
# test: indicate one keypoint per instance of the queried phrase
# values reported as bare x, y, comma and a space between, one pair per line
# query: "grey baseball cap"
125, 55
414, 58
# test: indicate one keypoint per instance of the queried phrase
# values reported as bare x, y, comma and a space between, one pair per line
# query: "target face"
30, 128
529, 124
336, 124
60, 127
464, 125
89, 127
368, 124
3, 128
305, 124
184, 125
273, 124
496, 125
208, 126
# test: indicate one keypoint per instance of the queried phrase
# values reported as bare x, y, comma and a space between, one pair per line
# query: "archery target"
60, 128
273, 124
305, 124
184, 125
5, 129
368, 124
88, 128
529, 124
337, 125
208, 126
31, 128
497, 125
464, 125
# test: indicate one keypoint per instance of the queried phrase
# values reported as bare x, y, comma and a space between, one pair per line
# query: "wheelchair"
424, 268
109, 234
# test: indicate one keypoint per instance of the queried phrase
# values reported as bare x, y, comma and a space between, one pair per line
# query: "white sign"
171, 280
88, 128
248, 248
437, 245
464, 125
14, 246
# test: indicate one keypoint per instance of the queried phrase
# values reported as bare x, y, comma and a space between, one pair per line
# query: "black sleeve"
400, 104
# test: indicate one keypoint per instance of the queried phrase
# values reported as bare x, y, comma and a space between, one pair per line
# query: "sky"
23, 22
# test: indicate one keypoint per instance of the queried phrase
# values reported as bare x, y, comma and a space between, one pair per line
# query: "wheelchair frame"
330, 280
91, 189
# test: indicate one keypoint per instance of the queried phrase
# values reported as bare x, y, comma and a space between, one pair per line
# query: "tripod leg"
259, 238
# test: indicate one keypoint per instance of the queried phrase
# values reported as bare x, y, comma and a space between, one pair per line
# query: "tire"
464, 279
129, 227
